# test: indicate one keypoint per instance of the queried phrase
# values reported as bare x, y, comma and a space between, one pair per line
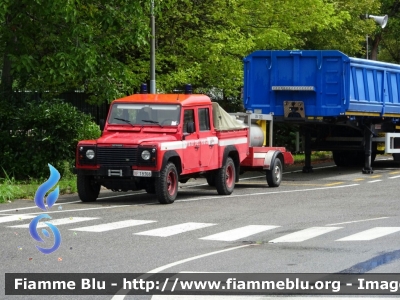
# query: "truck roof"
182, 99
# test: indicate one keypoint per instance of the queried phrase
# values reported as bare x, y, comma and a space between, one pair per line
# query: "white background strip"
56, 222
175, 229
302, 235
238, 233
112, 226
371, 234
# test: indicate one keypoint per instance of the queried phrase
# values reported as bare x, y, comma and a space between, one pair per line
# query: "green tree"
76, 44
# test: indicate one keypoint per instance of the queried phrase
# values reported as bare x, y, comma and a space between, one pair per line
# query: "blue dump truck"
346, 105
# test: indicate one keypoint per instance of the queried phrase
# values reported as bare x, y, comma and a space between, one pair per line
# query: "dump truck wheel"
88, 191
167, 184
274, 176
225, 178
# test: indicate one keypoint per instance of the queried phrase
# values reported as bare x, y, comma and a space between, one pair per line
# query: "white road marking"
15, 218
121, 296
370, 234
113, 226
238, 233
373, 181
175, 229
303, 235
266, 193
365, 220
56, 222
393, 177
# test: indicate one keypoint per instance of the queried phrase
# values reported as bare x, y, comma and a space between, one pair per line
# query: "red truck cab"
154, 141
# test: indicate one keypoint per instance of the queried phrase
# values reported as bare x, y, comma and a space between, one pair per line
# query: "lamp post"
381, 20
152, 51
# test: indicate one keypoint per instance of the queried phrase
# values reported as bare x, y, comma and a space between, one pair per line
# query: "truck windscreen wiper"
124, 120
152, 122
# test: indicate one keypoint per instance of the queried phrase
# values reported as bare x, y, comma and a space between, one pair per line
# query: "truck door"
209, 143
191, 154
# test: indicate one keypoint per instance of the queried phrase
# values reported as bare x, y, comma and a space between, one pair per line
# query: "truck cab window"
204, 119
188, 116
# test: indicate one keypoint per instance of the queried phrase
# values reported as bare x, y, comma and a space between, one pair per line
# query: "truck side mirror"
102, 124
190, 127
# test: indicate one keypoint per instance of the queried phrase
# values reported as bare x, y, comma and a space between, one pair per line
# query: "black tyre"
211, 180
274, 176
167, 184
88, 190
225, 178
150, 188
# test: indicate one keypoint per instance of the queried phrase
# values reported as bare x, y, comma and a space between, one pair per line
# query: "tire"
349, 158
211, 180
88, 191
225, 178
274, 176
167, 184
150, 188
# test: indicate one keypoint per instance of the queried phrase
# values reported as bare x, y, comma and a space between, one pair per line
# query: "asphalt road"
331, 220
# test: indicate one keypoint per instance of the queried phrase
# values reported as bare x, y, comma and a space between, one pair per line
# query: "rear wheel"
167, 184
88, 190
274, 176
225, 178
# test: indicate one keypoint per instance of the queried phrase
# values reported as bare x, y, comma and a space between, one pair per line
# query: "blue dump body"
325, 83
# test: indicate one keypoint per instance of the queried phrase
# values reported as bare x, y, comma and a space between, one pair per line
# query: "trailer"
346, 105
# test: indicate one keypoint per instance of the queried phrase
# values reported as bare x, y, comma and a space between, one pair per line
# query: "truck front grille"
110, 156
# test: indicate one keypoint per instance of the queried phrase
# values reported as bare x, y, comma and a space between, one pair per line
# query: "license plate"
139, 173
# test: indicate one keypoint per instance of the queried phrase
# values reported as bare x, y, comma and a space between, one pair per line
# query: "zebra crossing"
231, 235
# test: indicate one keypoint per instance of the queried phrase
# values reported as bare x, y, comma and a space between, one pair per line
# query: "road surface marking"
373, 181
265, 193
113, 226
56, 222
370, 234
359, 179
394, 172
238, 233
303, 235
365, 220
375, 176
15, 218
334, 183
120, 295
393, 177
175, 229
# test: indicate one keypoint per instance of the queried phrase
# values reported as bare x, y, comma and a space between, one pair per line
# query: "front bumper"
113, 172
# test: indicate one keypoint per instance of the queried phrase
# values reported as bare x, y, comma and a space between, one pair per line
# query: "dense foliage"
40, 132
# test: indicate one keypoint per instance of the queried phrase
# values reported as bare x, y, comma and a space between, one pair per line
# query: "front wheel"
167, 184
274, 176
88, 190
225, 178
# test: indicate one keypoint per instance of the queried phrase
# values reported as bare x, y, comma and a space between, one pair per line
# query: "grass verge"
11, 189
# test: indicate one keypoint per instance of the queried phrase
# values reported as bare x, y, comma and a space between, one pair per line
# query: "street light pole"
152, 51
381, 20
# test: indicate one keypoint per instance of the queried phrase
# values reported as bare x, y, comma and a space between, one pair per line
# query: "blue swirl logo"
40, 202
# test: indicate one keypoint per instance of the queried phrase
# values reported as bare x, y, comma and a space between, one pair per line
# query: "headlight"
145, 155
90, 154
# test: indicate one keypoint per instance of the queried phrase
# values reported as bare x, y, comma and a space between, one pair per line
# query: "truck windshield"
145, 114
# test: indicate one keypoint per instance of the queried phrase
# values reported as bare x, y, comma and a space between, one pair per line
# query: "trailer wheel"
274, 176
88, 191
225, 178
167, 184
